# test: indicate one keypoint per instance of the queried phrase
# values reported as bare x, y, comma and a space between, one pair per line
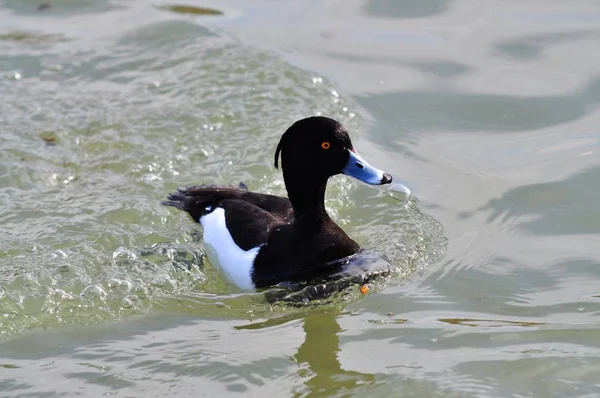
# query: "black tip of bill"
360, 169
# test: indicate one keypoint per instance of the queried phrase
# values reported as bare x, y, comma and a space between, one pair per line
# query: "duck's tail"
176, 199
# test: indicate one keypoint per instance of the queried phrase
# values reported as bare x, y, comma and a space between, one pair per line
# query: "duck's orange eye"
325, 145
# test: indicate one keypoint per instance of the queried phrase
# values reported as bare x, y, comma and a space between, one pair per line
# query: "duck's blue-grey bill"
358, 168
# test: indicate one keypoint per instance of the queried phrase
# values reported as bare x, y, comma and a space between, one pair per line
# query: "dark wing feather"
197, 199
248, 224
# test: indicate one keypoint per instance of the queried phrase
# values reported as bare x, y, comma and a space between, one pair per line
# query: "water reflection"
444, 69
59, 8
427, 111
319, 352
130, 357
532, 46
190, 10
468, 287
488, 323
405, 9
568, 206
317, 356
329, 350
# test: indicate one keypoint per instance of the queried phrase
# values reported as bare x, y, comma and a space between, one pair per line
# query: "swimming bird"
260, 240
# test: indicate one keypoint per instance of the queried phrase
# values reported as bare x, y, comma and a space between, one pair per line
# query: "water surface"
489, 113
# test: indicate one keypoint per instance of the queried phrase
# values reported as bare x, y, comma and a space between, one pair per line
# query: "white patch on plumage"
224, 253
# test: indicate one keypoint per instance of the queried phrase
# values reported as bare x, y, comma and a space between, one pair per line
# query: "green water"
489, 113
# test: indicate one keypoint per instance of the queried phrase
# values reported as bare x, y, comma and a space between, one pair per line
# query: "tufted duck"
260, 240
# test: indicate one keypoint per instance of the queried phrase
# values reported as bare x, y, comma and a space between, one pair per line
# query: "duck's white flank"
224, 253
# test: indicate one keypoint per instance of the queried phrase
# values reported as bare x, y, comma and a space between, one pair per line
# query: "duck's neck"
308, 200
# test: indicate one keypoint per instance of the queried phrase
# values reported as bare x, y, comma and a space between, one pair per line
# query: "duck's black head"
316, 148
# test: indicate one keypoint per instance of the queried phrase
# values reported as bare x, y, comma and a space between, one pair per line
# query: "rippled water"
91, 154
490, 114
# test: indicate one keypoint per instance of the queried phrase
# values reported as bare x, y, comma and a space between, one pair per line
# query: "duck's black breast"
294, 253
